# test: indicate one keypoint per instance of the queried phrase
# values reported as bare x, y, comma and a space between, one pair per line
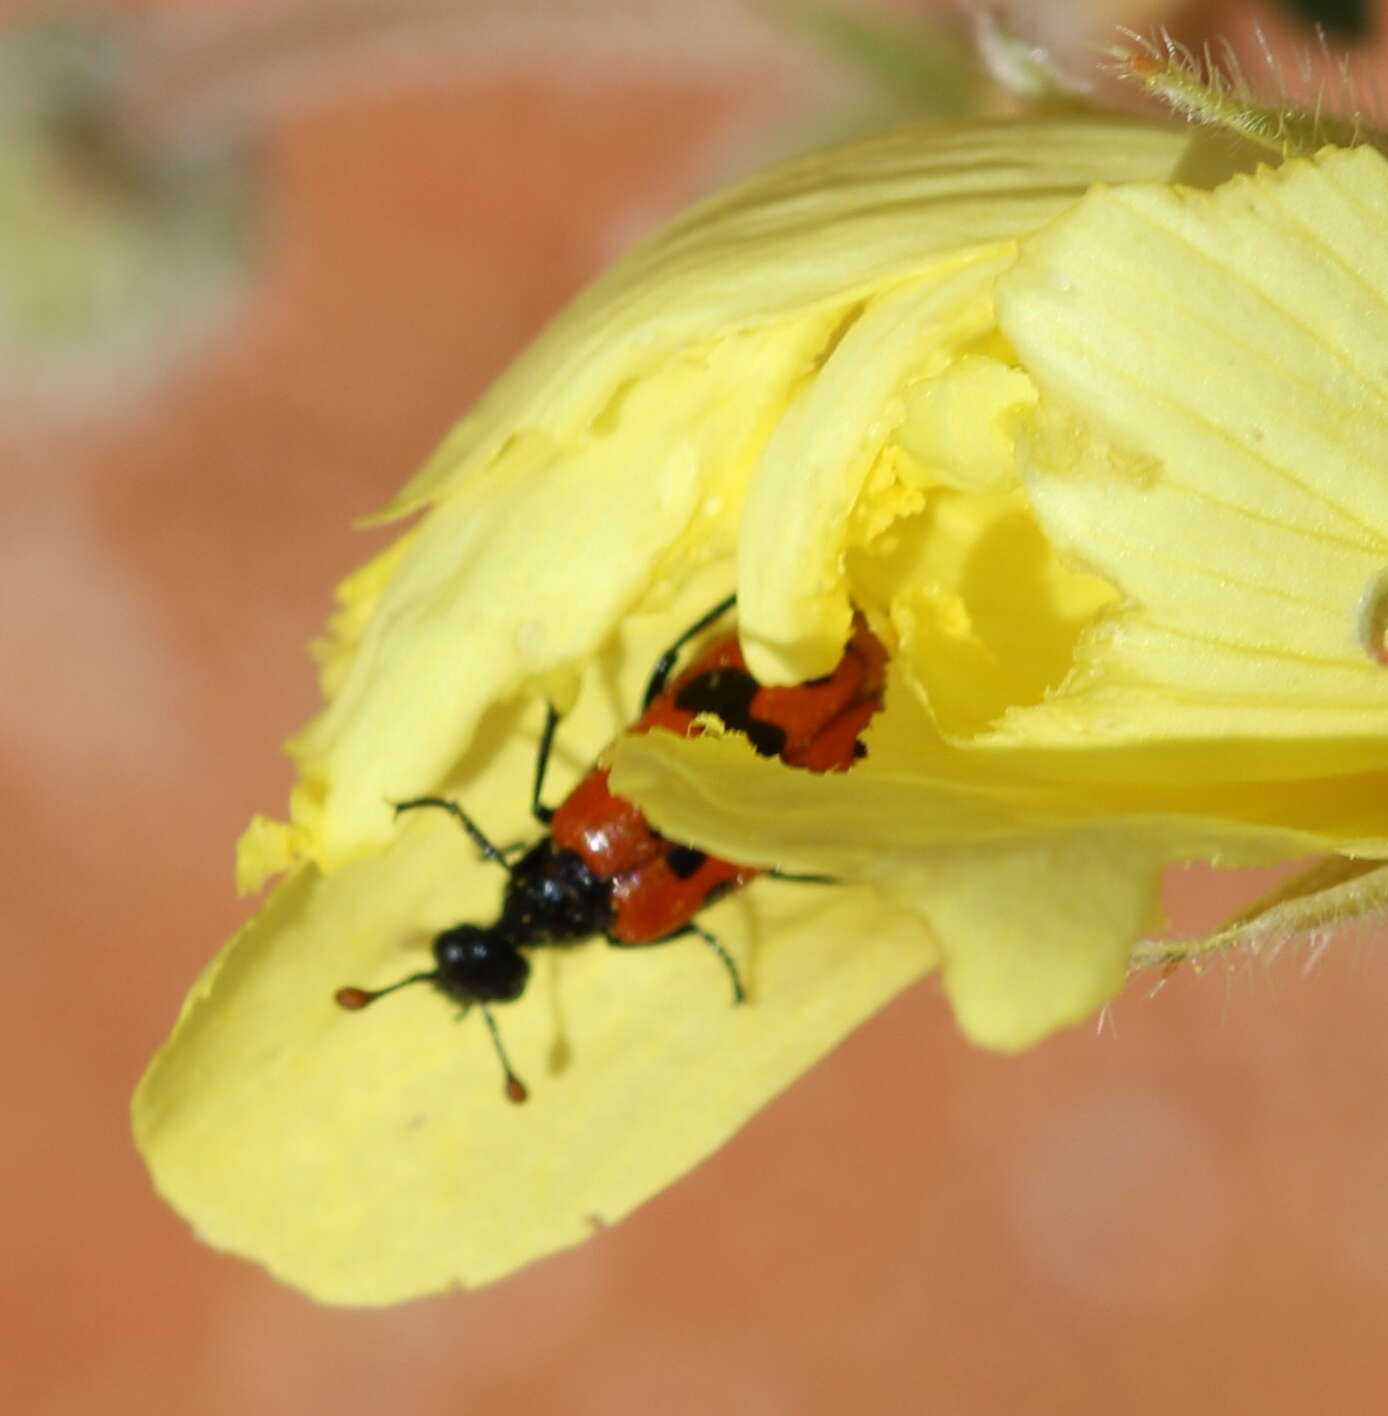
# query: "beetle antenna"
355, 999
515, 1088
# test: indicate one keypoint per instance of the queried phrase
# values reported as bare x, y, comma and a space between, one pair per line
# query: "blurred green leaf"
1345, 19
920, 63
115, 245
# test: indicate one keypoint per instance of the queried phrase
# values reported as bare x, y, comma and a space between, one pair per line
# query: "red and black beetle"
601, 868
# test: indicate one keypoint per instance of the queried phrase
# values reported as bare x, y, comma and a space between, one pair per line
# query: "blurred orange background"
1183, 1207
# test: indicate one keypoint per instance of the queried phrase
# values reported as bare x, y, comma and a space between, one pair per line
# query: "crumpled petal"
1035, 908
611, 460
985, 613
793, 586
523, 568
1213, 437
1210, 441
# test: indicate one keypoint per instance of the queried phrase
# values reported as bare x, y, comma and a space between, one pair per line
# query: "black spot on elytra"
766, 738
684, 861
859, 751
728, 695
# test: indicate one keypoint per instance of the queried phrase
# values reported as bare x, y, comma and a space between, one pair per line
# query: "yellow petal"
793, 594
945, 433
1035, 934
822, 233
1213, 438
1035, 913
367, 1160
612, 459
266, 848
526, 569
986, 613
370, 1158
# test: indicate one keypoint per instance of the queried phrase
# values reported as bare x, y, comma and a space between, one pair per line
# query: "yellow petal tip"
267, 848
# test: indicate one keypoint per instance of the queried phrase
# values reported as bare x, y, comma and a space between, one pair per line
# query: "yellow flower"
1103, 464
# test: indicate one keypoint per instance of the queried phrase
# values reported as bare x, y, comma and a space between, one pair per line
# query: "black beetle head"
475, 966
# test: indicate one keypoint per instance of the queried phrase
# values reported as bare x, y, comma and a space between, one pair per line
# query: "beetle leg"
542, 813
802, 879
713, 942
489, 851
666, 663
